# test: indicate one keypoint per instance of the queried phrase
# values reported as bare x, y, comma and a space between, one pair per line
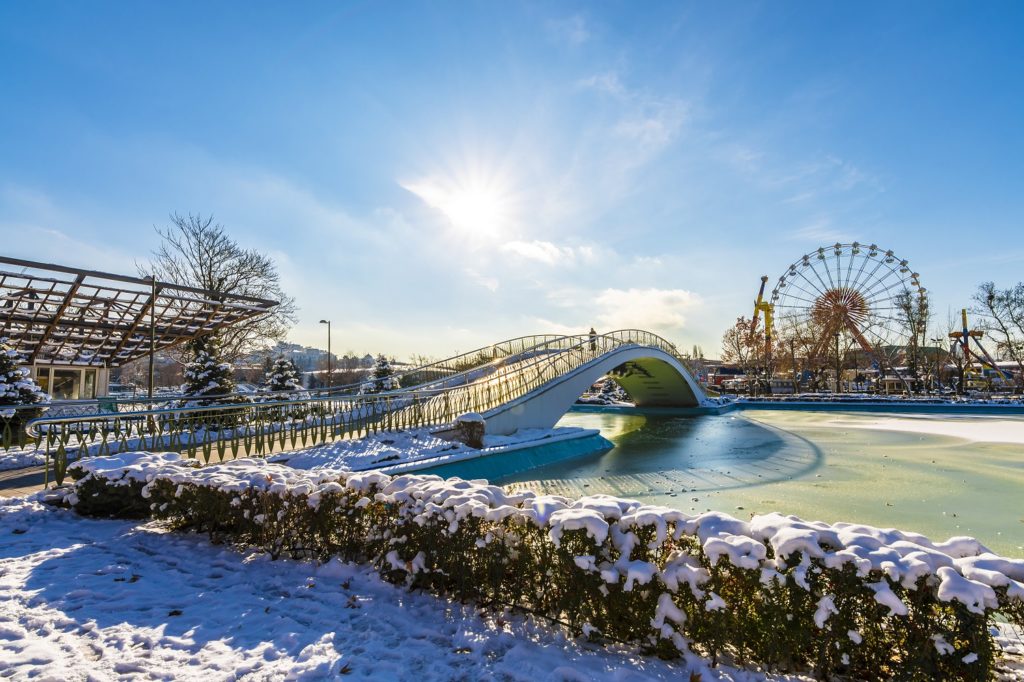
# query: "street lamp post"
330, 367
796, 377
938, 341
152, 335
839, 364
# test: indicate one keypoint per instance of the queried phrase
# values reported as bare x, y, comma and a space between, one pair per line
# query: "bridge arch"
652, 376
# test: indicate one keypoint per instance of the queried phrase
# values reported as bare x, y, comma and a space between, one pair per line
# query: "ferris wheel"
863, 293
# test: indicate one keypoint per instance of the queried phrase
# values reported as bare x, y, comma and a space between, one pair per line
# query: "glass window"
43, 378
89, 383
66, 384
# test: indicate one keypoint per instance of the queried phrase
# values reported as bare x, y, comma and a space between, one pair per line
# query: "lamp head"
325, 321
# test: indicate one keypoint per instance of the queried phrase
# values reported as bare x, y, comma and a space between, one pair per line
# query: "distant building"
306, 358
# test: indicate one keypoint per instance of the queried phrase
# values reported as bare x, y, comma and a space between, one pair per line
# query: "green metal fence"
488, 378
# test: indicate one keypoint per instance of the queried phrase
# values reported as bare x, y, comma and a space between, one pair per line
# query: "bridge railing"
258, 429
462, 368
549, 361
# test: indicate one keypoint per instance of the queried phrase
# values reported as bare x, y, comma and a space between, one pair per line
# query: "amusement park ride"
963, 339
864, 293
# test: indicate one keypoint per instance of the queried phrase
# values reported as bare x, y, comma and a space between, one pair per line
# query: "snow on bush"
112, 485
785, 594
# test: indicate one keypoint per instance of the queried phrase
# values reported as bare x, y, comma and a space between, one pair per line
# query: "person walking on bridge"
593, 340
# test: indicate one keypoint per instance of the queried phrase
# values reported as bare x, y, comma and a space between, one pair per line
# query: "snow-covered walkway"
82, 599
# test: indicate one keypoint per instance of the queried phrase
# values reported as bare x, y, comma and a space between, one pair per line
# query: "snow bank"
397, 447
134, 466
243, 617
578, 558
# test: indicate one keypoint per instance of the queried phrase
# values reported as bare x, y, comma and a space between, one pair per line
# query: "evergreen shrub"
21, 398
773, 592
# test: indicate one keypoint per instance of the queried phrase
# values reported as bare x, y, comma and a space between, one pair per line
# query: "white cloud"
267, 201
821, 231
799, 198
651, 308
742, 158
607, 82
486, 281
654, 120
646, 262
656, 127
803, 180
573, 31
645, 308
846, 176
34, 226
550, 254
543, 325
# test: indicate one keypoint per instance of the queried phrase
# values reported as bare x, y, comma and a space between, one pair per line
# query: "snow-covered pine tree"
207, 378
283, 376
611, 392
17, 388
382, 377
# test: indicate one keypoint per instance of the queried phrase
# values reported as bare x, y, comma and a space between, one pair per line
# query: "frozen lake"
941, 476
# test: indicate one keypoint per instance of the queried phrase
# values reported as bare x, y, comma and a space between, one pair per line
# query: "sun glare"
476, 209
474, 206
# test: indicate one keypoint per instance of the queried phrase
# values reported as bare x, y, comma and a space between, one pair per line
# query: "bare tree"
421, 360
955, 355
913, 313
1002, 316
197, 252
167, 372
800, 347
695, 362
740, 347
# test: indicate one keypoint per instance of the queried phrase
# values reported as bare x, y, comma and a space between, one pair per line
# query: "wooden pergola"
54, 314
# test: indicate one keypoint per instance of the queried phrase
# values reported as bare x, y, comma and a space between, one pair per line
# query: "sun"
476, 206
476, 209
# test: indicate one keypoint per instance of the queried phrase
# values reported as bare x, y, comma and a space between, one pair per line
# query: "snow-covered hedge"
774, 591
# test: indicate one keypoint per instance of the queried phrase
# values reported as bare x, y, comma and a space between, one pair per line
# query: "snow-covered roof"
60, 315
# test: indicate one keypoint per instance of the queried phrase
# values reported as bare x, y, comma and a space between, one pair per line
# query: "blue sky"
437, 176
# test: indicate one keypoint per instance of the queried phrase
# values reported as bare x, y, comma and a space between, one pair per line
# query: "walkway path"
19, 482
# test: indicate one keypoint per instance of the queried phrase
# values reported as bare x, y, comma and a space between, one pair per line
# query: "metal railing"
437, 370
451, 371
257, 429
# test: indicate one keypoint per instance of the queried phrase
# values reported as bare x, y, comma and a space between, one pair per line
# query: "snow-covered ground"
399, 447
84, 599
1004, 399
17, 458
974, 429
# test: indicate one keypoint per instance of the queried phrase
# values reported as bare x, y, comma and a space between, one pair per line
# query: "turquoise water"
939, 476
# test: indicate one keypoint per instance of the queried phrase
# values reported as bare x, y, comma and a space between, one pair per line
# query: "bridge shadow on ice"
666, 456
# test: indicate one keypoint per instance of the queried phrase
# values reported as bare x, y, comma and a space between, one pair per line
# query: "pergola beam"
94, 317
68, 297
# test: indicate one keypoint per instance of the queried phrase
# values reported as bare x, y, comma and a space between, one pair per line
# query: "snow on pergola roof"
60, 315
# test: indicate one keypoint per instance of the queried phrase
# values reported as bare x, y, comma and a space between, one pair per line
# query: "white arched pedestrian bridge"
528, 382
535, 387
